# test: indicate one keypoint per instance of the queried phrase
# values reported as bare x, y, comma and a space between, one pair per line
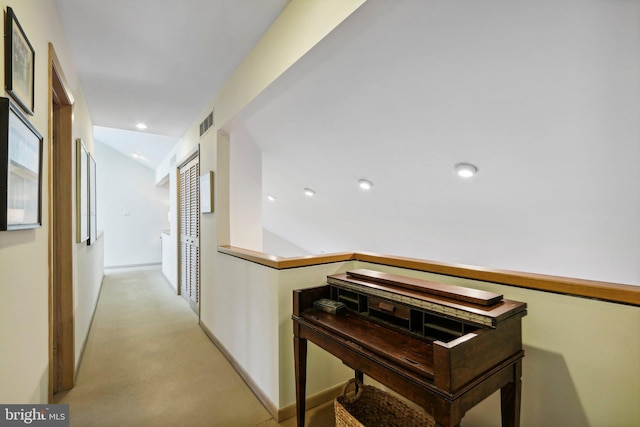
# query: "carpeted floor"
148, 363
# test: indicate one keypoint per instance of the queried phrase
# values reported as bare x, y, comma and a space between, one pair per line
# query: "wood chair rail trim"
605, 291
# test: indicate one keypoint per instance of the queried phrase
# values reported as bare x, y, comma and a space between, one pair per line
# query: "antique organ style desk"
444, 347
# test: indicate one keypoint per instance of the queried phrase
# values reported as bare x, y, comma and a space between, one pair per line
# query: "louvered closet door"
190, 233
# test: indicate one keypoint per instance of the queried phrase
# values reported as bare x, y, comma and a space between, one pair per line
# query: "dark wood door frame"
60, 186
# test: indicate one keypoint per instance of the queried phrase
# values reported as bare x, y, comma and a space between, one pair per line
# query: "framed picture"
82, 192
206, 192
20, 170
93, 205
19, 63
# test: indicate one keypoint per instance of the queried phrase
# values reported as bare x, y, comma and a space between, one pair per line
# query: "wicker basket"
371, 407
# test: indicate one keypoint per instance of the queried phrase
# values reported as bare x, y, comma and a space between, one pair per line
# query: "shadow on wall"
549, 396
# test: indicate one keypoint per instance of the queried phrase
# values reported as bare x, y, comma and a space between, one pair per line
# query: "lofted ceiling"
145, 148
402, 91
541, 96
159, 62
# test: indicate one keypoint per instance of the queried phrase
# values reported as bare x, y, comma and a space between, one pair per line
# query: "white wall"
252, 320
24, 269
169, 257
88, 261
277, 245
165, 167
245, 191
132, 210
170, 239
243, 317
88, 275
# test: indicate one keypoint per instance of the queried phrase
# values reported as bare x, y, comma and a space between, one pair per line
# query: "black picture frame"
19, 63
20, 170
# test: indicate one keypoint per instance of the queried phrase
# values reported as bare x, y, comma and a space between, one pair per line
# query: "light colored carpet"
148, 363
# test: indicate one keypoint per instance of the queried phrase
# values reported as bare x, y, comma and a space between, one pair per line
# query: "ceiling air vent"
206, 124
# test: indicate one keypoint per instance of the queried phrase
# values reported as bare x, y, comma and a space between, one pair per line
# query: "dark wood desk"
443, 353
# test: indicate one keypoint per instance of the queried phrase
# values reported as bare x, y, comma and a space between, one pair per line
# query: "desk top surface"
411, 353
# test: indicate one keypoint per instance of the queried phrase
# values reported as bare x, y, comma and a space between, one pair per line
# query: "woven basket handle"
359, 387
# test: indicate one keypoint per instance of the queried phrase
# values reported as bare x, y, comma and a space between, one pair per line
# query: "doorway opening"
60, 179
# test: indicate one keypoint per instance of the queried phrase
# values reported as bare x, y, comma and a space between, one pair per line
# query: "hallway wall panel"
132, 210
24, 269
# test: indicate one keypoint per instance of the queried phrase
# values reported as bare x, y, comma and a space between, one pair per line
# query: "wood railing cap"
606, 291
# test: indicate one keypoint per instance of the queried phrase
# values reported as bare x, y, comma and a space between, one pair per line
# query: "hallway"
148, 363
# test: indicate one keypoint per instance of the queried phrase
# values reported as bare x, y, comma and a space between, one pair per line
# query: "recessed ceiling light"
466, 170
141, 126
271, 198
136, 155
365, 184
309, 192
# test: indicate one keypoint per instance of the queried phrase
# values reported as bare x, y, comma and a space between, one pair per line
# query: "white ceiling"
146, 148
541, 96
403, 90
159, 62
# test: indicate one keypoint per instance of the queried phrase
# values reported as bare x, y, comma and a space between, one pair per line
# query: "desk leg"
360, 377
300, 359
443, 415
510, 396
